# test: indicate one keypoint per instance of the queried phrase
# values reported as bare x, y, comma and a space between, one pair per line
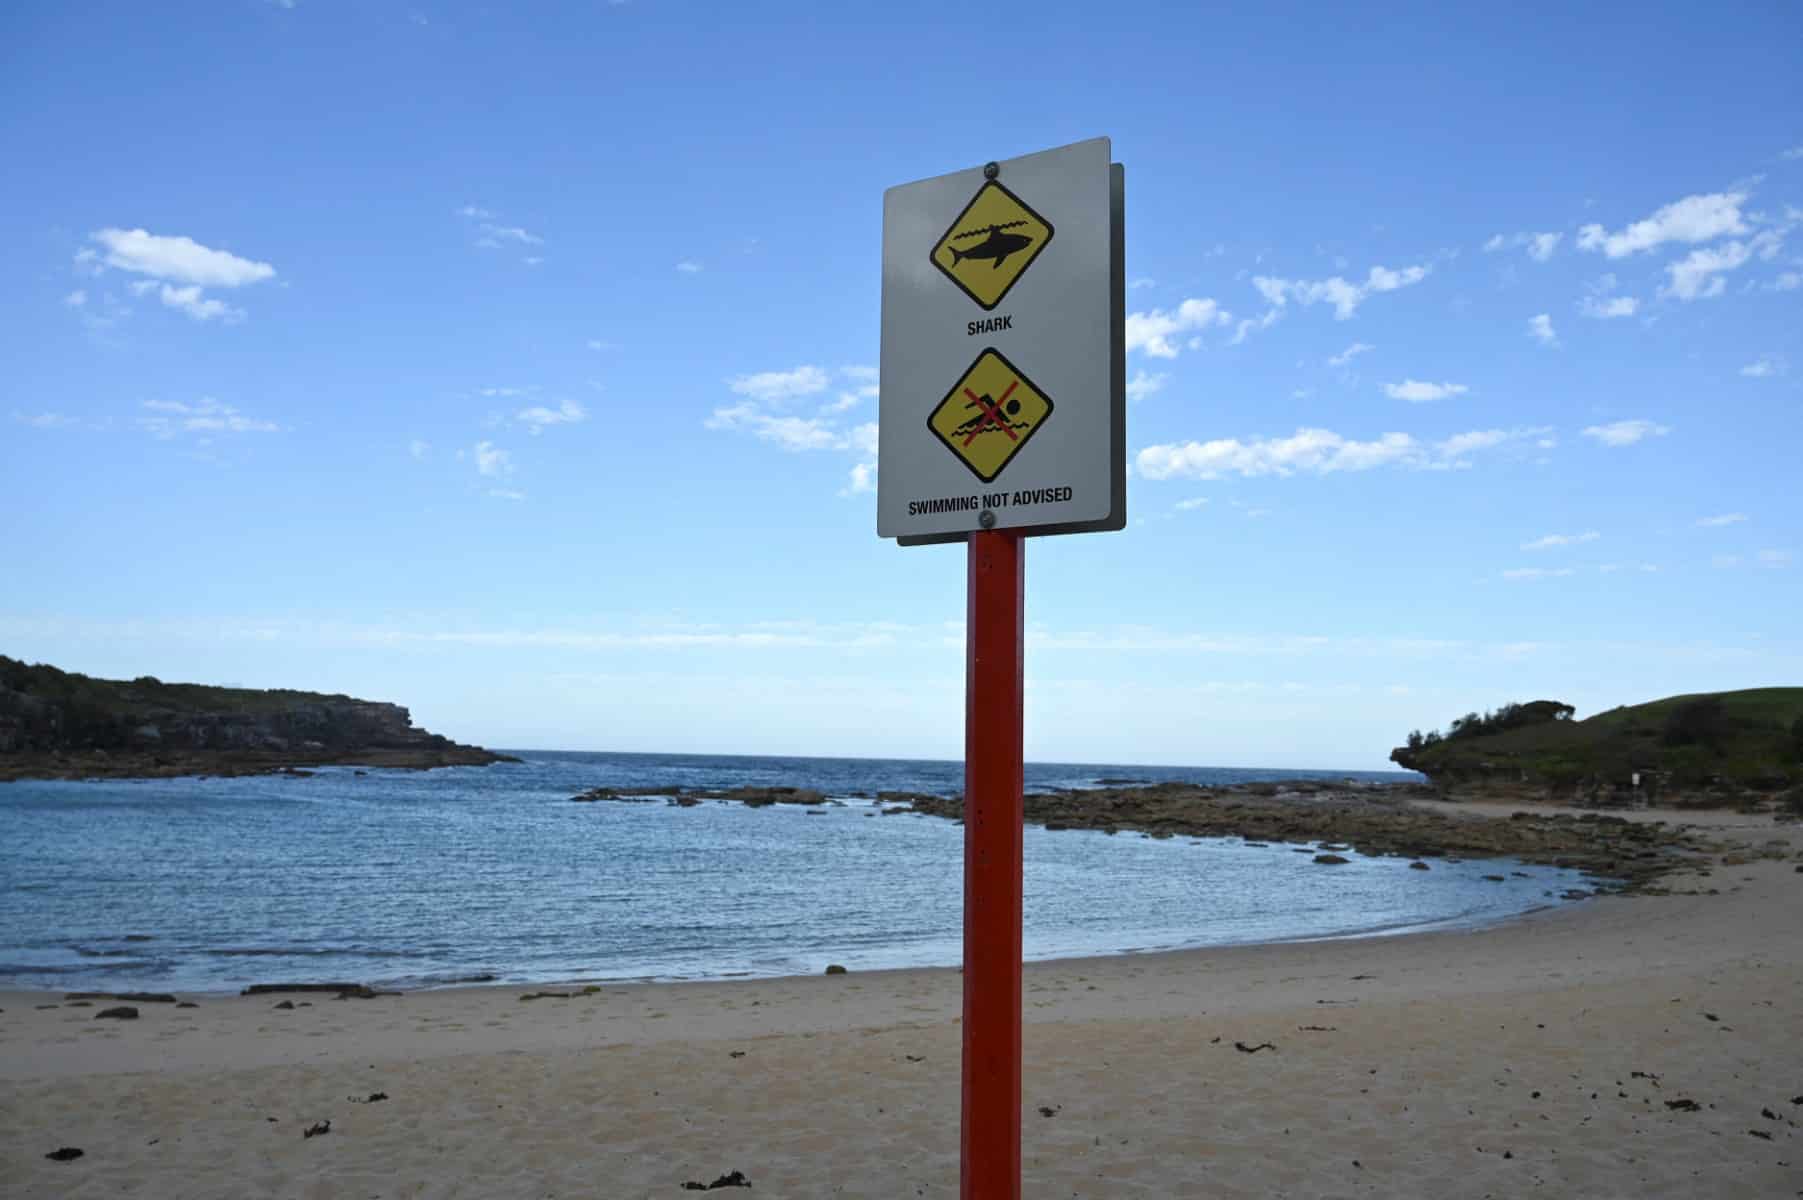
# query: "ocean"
490, 874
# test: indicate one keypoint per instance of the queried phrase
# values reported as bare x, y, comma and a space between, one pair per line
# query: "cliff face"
60, 724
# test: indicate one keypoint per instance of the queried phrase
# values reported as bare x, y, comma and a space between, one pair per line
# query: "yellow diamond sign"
991, 244
989, 415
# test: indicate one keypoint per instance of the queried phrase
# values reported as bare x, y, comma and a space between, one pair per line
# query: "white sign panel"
1003, 363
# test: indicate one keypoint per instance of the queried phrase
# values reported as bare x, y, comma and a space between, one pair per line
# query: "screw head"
986, 519
991, 170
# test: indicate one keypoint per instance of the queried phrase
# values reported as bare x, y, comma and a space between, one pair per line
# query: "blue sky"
516, 363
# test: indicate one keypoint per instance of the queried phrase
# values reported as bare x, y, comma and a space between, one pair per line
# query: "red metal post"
993, 694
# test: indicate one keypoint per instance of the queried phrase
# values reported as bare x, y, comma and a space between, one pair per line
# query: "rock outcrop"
54, 724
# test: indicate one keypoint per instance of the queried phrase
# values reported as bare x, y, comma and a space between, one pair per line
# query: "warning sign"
989, 415
991, 244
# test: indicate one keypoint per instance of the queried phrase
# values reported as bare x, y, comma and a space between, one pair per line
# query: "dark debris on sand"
65, 1154
730, 1180
136, 997
318, 1130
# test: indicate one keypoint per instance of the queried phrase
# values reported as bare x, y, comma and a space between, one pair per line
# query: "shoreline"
1641, 1044
1450, 925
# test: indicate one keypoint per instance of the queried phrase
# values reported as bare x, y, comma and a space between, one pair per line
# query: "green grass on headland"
1752, 738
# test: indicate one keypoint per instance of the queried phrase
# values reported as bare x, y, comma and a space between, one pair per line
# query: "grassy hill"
1751, 738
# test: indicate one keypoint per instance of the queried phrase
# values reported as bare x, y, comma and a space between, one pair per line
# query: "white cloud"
76, 298
791, 433
1552, 540
496, 234
1699, 218
1540, 328
1625, 433
1520, 573
1605, 308
597, 344
769, 392
1453, 451
474, 213
1775, 558
689, 267
418, 449
1345, 297
1698, 275
1789, 281
1316, 452
1768, 366
506, 494
775, 386
1144, 384
1724, 519
174, 260
1152, 331
180, 259
1249, 325
1142, 282
209, 416
1349, 353
1724, 561
1191, 504
864, 387
1793, 152
1417, 392
44, 420
1643, 568
493, 461
196, 304
536, 418
1540, 246
862, 479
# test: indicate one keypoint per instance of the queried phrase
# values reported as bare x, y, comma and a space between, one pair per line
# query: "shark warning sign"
989, 415
991, 244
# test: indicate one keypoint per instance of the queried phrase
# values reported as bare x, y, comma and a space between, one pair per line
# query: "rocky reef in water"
59, 725
1317, 817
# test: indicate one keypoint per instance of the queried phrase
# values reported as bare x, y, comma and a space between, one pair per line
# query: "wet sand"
1548, 1056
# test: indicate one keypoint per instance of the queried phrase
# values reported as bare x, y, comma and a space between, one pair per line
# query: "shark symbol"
998, 246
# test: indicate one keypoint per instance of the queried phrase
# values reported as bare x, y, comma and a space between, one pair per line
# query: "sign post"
989, 1141
1002, 416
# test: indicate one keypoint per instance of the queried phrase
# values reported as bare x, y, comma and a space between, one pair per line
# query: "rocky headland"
59, 725
1741, 750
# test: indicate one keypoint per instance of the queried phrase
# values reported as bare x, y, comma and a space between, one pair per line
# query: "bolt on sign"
1003, 385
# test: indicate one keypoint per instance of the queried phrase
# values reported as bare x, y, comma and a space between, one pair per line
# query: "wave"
10, 969
305, 952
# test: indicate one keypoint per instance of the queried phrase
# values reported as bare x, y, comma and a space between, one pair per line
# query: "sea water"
423, 878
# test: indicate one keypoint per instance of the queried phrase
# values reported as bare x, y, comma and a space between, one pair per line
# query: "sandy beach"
1640, 1046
